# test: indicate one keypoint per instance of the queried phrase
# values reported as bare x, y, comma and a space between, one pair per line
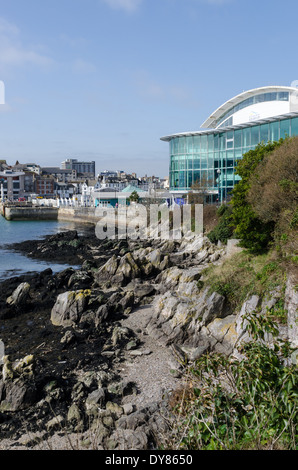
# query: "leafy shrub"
250, 403
273, 194
254, 233
224, 229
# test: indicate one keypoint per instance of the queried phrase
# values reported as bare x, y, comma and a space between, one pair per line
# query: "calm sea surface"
15, 264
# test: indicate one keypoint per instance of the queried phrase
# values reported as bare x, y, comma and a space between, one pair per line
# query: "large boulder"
17, 386
69, 307
108, 270
20, 295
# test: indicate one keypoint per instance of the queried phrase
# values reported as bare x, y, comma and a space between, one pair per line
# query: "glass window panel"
216, 142
230, 144
181, 144
196, 176
189, 145
284, 128
197, 143
210, 160
264, 133
204, 143
189, 163
175, 145
222, 141
255, 135
294, 126
222, 157
189, 179
196, 162
237, 138
274, 131
182, 163
211, 177
204, 177
176, 179
210, 142
204, 161
181, 179
246, 137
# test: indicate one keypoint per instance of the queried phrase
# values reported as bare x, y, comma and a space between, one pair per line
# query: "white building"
12, 184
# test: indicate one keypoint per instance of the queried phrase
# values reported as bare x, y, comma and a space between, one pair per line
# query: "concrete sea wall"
78, 214
29, 213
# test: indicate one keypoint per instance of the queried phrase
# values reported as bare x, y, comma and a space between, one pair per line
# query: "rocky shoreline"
93, 355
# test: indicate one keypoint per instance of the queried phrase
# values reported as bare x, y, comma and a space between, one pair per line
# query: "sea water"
15, 264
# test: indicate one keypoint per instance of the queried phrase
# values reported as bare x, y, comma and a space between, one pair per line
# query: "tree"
273, 193
200, 190
253, 233
224, 229
134, 197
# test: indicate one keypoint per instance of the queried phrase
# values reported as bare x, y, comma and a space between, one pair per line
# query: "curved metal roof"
211, 121
168, 138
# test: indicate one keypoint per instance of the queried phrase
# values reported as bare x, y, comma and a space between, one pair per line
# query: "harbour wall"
29, 213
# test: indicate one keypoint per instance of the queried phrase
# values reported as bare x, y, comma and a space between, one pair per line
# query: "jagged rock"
121, 334
20, 295
128, 268
68, 338
17, 394
140, 289
18, 368
17, 387
69, 307
102, 314
55, 423
74, 414
154, 257
127, 300
108, 270
214, 308
115, 409
80, 280
128, 440
249, 306
97, 397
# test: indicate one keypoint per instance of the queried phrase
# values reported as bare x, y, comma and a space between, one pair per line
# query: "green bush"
253, 233
224, 229
250, 403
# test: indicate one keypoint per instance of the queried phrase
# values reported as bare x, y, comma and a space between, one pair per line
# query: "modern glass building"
209, 156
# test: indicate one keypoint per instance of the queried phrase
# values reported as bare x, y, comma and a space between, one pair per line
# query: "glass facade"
209, 158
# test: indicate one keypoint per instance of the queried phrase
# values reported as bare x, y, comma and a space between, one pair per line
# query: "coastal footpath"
95, 357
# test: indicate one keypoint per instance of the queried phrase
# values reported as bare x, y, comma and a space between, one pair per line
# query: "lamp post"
219, 191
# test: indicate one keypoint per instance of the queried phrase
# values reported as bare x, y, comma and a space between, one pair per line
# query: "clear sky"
103, 80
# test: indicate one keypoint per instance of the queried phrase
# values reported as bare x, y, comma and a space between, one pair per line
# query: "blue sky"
103, 80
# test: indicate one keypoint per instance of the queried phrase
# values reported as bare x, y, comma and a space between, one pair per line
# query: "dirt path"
150, 365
